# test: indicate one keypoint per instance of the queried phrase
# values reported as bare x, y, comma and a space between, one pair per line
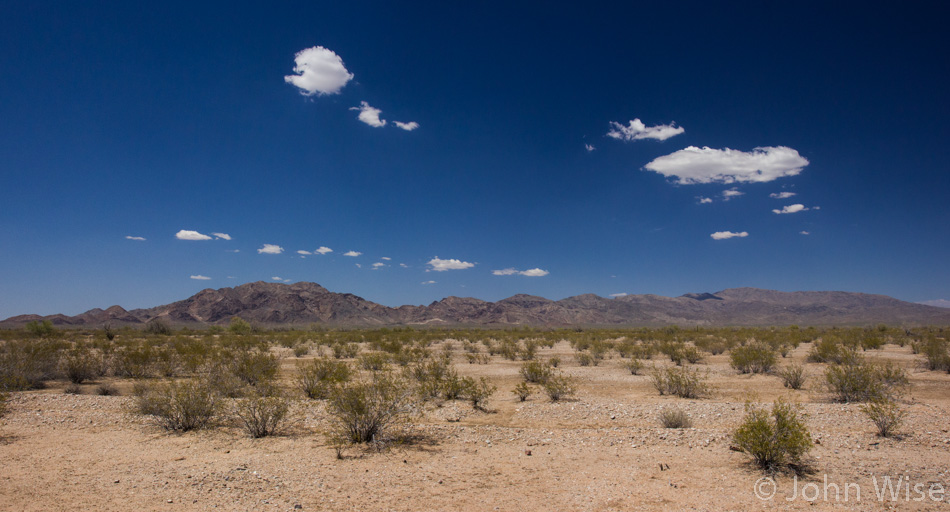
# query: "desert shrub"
106, 389
239, 326
830, 350
682, 382
753, 358
222, 380
42, 329
135, 360
554, 362
179, 406
675, 418
559, 386
345, 350
73, 389
936, 353
643, 351
529, 351
793, 376
301, 349
436, 379
862, 382
157, 326
536, 372
523, 390
254, 367
478, 392
27, 363
478, 358
585, 359
886, 414
691, 354
262, 413
634, 366
109, 331
3, 404
773, 439
318, 377
374, 361
365, 411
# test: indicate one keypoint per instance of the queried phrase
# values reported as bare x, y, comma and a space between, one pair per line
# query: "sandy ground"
604, 450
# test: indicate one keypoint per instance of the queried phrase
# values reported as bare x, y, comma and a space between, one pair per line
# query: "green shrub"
675, 418
775, 439
682, 382
753, 358
862, 382
179, 406
157, 326
240, 326
254, 367
886, 414
107, 389
793, 376
936, 353
559, 386
262, 413
374, 361
634, 366
478, 392
345, 350
318, 377
365, 411
523, 390
831, 350
73, 389
536, 372
3, 404
27, 363
42, 329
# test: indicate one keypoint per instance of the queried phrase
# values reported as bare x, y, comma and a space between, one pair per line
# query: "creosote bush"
318, 377
793, 376
886, 414
262, 413
179, 406
682, 382
478, 392
367, 409
536, 372
862, 382
753, 358
774, 439
675, 418
559, 386
523, 390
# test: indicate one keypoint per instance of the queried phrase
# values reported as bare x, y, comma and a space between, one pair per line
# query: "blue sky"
120, 121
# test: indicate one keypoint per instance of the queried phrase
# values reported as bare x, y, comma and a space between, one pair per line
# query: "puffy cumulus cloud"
618, 295
792, 208
731, 193
323, 250
221, 236
781, 195
725, 235
318, 71
636, 130
136, 238
706, 165
589, 147
534, 272
704, 200
270, 249
187, 234
411, 125
369, 115
200, 277
352, 254
439, 265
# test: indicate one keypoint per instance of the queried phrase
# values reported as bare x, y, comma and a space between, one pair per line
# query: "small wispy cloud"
439, 265
704, 200
318, 71
403, 265
221, 236
428, 282
378, 265
270, 249
369, 115
636, 130
277, 278
187, 234
725, 235
694, 165
589, 147
304, 253
792, 208
200, 277
534, 272
781, 195
731, 193
804, 233
386, 258
352, 254
618, 295
323, 250
137, 238
411, 125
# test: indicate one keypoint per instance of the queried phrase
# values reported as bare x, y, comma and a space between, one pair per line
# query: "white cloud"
440, 265
318, 71
323, 250
804, 233
411, 125
618, 295
428, 282
724, 235
222, 236
589, 147
352, 254
636, 130
358, 265
535, 272
704, 200
378, 265
186, 234
270, 249
304, 253
387, 258
781, 195
201, 278
233, 250
138, 238
403, 265
706, 165
730, 193
940, 303
369, 115
792, 208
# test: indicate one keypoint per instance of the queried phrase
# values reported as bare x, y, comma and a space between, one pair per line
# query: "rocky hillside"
309, 303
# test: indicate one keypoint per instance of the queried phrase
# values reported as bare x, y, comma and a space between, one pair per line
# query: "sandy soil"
603, 450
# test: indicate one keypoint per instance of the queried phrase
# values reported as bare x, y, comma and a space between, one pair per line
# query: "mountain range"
303, 304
